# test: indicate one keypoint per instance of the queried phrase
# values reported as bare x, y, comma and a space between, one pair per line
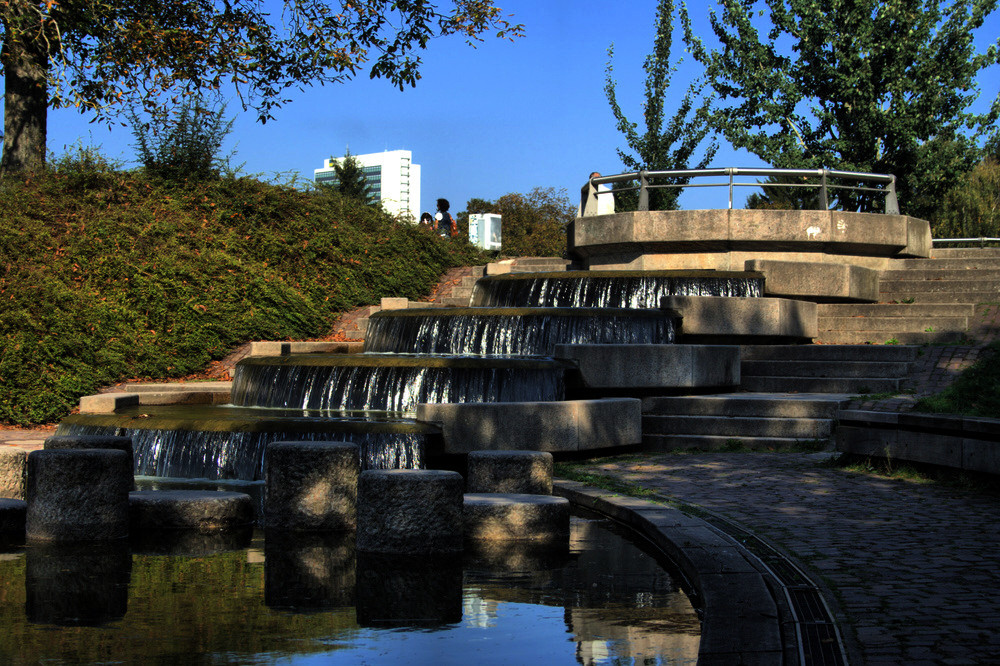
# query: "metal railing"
982, 240
647, 180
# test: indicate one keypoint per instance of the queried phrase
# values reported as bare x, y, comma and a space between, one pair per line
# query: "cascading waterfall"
391, 382
610, 289
512, 331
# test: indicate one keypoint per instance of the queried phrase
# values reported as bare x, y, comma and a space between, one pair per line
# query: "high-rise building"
392, 177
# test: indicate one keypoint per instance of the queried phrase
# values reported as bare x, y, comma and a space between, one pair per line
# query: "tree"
878, 86
351, 180
972, 208
659, 147
186, 146
775, 197
102, 56
532, 224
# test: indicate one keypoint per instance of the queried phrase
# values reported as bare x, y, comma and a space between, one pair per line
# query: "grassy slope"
108, 275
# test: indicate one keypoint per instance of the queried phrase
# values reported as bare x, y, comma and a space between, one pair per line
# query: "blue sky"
503, 117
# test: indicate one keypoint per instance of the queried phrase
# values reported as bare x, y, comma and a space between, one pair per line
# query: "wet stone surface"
912, 567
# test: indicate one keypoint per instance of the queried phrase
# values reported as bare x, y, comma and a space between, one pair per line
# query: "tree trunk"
26, 105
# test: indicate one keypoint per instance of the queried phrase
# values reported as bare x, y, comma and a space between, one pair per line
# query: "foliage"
107, 275
351, 178
774, 197
660, 148
976, 392
879, 86
186, 146
532, 224
102, 56
972, 208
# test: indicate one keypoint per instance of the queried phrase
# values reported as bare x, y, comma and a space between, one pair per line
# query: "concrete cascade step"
939, 286
737, 426
823, 369
982, 274
461, 292
459, 302
895, 309
951, 264
774, 405
887, 339
854, 385
827, 353
964, 252
892, 324
902, 295
720, 442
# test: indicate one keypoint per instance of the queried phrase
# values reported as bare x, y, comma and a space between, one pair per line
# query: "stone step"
976, 296
964, 252
881, 339
460, 302
895, 309
823, 369
737, 426
850, 352
531, 264
894, 324
461, 292
939, 286
854, 385
777, 405
468, 283
718, 442
955, 263
976, 275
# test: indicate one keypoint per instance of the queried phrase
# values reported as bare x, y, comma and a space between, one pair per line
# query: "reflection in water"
298, 598
79, 584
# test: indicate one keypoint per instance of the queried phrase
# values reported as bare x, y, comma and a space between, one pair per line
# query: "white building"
392, 177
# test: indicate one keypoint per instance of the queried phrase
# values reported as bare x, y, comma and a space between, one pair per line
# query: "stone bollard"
514, 517
94, 442
12, 512
311, 486
77, 495
201, 510
13, 469
525, 472
410, 512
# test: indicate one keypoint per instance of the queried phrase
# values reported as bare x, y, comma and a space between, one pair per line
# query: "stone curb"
741, 623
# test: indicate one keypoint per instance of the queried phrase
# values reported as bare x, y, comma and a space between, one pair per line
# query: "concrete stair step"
895, 309
854, 385
461, 292
776, 405
939, 286
467, 283
889, 338
981, 274
897, 324
958, 296
955, 263
718, 443
823, 369
737, 426
456, 301
851, 352
964, 252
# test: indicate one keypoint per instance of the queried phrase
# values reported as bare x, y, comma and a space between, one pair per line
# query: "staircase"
923, 301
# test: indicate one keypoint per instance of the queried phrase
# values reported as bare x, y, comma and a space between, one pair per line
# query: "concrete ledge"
741, 623
677, 366
571, 425
817, 281
723, 319
107, 403
724, 239
271, 348
960, 442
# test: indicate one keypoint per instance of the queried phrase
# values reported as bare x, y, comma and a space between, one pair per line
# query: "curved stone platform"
205, 510
726, 239
525, 472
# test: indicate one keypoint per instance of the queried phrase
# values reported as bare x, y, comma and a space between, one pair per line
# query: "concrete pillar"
78, 495
13, 469
527, 472
311, 486
410, 512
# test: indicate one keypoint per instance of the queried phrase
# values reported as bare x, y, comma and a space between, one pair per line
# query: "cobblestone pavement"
914, 568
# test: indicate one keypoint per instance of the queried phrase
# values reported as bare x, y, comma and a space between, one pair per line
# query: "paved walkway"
914, 569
